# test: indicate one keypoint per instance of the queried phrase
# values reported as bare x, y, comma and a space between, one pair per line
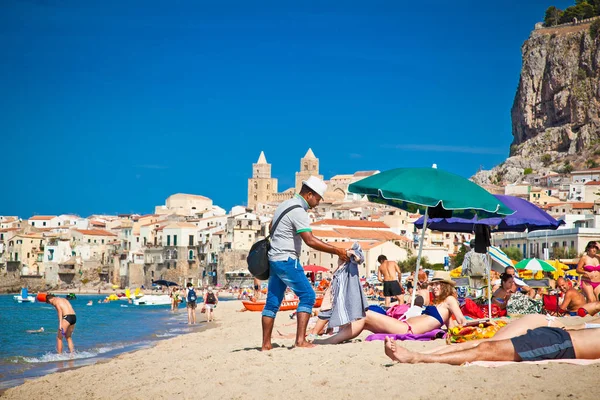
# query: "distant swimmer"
66, 319
36, 330
89, 303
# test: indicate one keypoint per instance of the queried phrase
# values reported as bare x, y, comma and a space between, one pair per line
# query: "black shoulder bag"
258, 258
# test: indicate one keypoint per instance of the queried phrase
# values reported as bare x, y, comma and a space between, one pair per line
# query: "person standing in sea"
66, 320
284, 254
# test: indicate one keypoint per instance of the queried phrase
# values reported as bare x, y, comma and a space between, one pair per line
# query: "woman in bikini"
589, 269
501, 296
433, 317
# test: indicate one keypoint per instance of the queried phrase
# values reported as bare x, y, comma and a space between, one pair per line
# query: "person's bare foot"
305, 344
397, 353
266, 347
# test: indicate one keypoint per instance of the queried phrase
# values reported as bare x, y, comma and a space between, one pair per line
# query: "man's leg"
294, 277
59, 343
500, 350
388, 301
69, 334
194, 315
189, 312
275, 295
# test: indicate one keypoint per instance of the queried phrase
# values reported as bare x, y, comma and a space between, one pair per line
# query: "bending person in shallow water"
433, 317
66, 321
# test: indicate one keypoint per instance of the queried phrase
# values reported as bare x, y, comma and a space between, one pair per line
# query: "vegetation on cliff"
581, 10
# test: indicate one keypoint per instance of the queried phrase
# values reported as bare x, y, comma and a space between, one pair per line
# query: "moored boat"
153, 300
24, 297
286, 305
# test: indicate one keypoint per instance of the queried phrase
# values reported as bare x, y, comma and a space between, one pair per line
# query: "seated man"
543, 343
572, 301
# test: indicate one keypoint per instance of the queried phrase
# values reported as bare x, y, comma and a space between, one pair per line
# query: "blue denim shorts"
284, 274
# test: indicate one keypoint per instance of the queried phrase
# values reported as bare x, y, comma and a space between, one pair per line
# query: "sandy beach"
225, 363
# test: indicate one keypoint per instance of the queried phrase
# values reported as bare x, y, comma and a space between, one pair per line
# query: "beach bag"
475, 266
258, 258
519, 303
191, 297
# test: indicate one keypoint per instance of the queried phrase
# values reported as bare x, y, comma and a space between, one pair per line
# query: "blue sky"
110, 108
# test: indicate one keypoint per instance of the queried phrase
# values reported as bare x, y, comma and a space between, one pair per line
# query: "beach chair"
550, 304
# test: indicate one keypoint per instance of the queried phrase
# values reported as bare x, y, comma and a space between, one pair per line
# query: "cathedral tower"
261, 186
309, 165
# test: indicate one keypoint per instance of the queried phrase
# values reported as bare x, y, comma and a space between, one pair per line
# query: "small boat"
24, 297
154, 300
286, 305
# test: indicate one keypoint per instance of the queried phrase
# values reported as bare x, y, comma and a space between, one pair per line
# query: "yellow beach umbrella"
127, 293
115, 286
560, 268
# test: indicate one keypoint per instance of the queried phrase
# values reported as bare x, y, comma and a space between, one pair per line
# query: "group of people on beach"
531, 338
189, 294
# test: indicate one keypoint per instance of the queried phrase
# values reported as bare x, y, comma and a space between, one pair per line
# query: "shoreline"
30, 367
227, 363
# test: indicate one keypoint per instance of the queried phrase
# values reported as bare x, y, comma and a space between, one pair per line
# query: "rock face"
556, 111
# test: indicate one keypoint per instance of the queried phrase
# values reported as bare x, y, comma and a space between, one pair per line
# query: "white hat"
316, 184
210, 289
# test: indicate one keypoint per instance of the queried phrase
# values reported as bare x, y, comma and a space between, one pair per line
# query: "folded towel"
431, 335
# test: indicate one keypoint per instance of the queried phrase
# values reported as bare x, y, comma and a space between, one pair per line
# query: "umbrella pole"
489, 257
412, 301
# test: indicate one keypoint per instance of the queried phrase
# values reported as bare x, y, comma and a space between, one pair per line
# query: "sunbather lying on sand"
543, 343
433, 317
515, 328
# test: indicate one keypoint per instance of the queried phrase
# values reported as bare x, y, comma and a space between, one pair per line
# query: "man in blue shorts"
285, 268
544, 343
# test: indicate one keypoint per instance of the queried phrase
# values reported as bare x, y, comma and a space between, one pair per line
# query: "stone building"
309, 166
261, 187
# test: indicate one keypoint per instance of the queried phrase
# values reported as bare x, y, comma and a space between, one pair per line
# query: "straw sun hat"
442, 276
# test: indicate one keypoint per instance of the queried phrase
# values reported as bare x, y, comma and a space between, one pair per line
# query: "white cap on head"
316, 184
210, 289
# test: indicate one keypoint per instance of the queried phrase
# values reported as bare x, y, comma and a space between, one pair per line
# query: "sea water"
102, 331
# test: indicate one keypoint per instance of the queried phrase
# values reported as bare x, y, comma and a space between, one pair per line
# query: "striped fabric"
349, 301
500, 257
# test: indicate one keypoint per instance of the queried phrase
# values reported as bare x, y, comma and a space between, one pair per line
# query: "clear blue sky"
111, 106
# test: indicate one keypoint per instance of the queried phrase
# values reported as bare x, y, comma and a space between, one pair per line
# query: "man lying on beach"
433, 317
543, 343
66, 321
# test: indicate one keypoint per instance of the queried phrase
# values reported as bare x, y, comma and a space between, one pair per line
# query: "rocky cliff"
556, 111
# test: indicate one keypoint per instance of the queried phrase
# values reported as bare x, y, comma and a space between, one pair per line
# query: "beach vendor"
284, 254
433, 317
66, 319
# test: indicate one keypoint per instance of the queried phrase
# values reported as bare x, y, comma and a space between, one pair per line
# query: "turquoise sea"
102, 331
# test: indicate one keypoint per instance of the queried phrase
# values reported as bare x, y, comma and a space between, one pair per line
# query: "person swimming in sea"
41, 330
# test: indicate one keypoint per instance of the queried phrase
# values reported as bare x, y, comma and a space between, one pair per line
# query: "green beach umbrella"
427, 189
415, 189
533, 264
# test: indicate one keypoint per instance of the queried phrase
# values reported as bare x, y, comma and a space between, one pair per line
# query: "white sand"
225, 363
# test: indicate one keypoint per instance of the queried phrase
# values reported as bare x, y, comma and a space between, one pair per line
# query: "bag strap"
281, 216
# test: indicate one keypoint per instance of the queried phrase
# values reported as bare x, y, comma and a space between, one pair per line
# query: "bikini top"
591, 268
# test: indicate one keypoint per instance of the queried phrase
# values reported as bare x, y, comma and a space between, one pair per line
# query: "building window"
16, 256
32, 223
137, 239
152, 273
174, 255
174, 240
28, 255
44, 223
102, 241
89, 240
168, 240
572, 244
191, 240
191, 255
